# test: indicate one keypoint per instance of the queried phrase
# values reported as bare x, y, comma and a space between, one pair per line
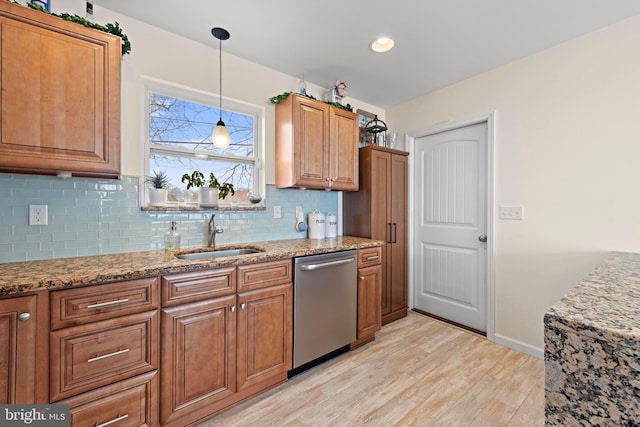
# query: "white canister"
316, 225
331, 223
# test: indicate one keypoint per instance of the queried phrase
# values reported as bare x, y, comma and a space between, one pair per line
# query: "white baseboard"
519, 346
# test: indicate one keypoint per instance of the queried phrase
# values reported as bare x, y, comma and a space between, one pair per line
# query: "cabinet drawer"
71, 307
369, 256
132, 402
255, 276
89, 356
197, 286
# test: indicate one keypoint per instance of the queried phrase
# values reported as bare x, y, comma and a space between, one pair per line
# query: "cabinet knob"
23, 317
243, 306
233, 308
361, 277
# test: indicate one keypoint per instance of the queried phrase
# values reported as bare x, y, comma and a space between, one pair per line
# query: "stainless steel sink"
218, 253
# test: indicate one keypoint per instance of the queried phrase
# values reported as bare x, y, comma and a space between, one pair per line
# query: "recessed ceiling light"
382, 44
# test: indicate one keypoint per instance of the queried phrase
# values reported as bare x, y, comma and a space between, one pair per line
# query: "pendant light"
220, 137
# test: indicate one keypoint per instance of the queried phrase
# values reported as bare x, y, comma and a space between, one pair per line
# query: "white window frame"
151, 85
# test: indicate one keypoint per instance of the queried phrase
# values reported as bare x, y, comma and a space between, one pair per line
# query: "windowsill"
174, 208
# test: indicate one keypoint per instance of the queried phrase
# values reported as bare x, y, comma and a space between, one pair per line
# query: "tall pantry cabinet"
379, 210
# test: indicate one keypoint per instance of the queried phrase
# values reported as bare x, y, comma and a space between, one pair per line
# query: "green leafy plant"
197, 180
158, 180
108, 28
279, 98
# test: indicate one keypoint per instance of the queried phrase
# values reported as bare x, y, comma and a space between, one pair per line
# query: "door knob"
483, 238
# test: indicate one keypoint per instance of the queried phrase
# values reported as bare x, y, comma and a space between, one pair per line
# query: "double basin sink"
217, 253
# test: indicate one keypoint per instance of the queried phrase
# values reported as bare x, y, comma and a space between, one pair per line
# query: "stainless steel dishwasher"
324, 307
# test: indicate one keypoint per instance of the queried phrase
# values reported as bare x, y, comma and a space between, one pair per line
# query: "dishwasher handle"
311, 267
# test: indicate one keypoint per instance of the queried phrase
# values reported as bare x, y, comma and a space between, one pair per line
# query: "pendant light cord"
220, 80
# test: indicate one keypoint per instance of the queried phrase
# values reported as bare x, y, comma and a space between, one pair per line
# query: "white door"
450, 225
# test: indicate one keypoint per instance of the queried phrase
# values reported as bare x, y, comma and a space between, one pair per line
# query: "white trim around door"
490, 120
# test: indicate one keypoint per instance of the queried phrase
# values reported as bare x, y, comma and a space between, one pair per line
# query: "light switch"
512, 212
277, 212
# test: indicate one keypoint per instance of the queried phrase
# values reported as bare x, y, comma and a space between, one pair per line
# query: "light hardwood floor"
418, 372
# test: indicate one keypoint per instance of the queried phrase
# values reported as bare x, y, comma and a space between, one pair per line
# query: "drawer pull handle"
372, 258
23, 317
115, 420
104, 304
104, 356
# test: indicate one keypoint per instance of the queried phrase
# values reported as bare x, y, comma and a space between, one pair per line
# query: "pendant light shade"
220, 136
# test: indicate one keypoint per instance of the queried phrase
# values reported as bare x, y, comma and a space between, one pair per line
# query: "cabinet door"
311, 142
399, 246
369, 291
60, 95
265, 335
197, 367
381, 226
343, 150
18, 350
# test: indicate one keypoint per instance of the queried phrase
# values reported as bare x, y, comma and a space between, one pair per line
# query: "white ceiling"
438, 42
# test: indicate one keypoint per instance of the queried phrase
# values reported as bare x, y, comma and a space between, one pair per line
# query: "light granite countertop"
592, 348
606, 303
19, 277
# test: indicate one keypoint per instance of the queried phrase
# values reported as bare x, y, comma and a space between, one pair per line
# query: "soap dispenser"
172, 238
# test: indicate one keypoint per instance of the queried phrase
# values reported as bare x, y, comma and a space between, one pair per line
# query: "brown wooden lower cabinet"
89, 356
129, 403
369, 295
369, 291
265, 326
220, 351
197, 358
220, 337
379, 210
18, 327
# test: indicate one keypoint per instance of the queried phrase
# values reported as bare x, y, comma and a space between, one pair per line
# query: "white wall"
568, 149
166, 56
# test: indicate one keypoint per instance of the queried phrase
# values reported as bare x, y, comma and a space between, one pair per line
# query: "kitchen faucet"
213, 230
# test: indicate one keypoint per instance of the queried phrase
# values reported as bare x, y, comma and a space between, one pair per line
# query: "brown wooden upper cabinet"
316, 145
60, 101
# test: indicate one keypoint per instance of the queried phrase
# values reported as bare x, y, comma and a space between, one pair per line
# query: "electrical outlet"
299, 214
277, 212
512, 212
38, 215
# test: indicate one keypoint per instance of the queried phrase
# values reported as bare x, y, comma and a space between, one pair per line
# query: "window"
179, 123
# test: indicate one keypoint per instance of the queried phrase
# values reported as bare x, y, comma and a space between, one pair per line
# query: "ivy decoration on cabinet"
107, 28
279, 98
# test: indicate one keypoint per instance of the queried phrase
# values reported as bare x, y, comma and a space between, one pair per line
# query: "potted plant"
210, 190
159, 182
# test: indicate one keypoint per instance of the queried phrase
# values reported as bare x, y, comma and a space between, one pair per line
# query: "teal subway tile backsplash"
100, 216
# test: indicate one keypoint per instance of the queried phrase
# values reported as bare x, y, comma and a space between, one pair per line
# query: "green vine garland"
279, 98
108, 28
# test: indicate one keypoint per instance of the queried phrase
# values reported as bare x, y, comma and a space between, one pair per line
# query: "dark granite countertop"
606, 303
18, 277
